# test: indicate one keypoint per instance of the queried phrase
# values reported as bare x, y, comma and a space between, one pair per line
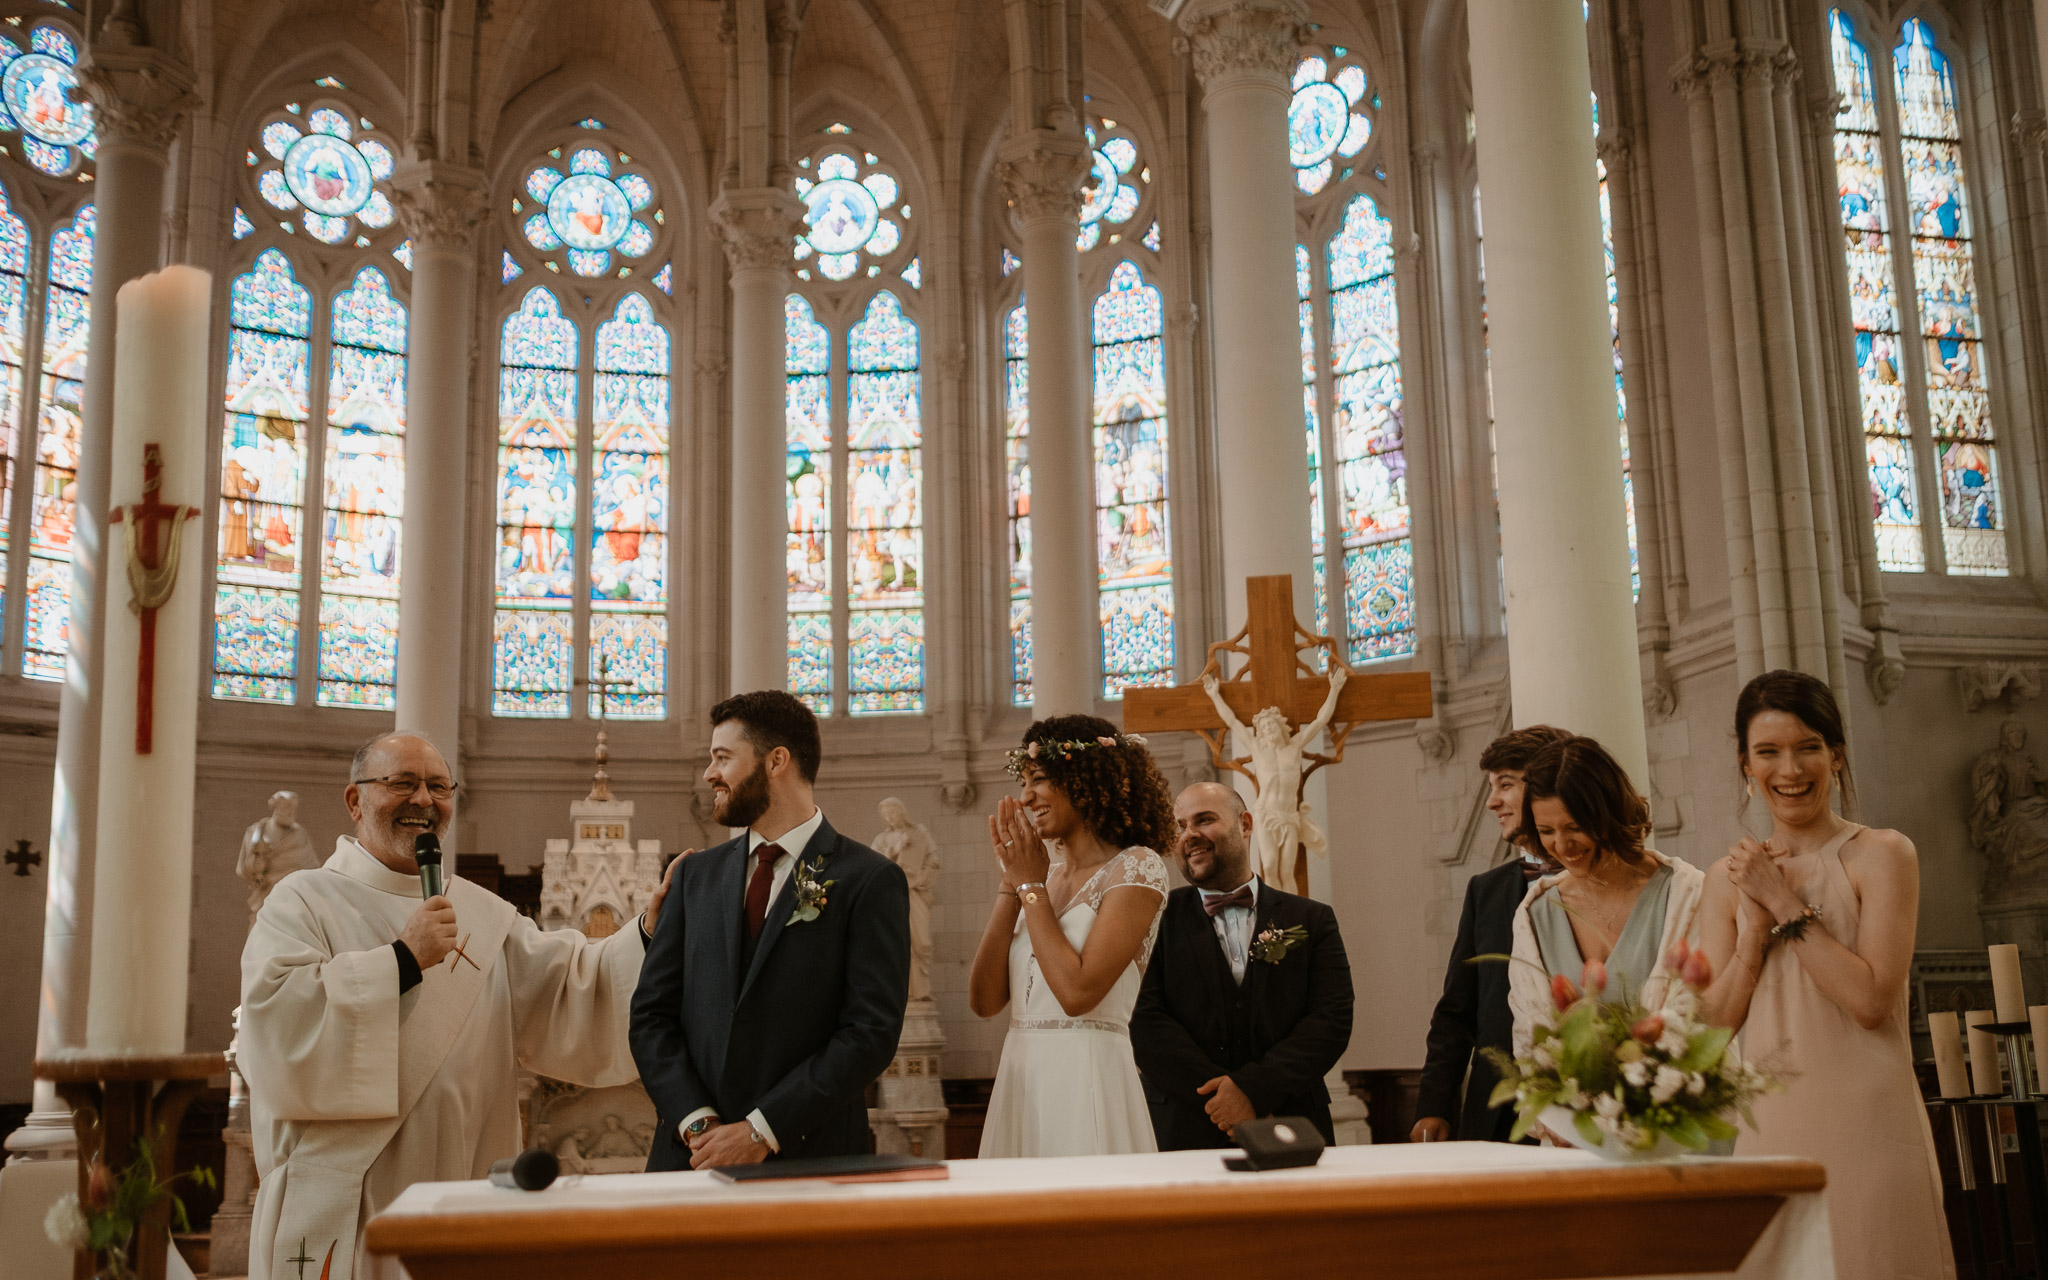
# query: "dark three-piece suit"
1473, 1011
1275, 1035
796, 1023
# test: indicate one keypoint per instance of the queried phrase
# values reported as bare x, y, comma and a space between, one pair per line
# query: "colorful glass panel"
1312, 419
67, 323
808, 476
1628, 478
1017, 459
531, 667
1135, 561
1365, 341
13, 353
885, 518
365, 497
1873, 311
1945, 288
629, 511
263, 469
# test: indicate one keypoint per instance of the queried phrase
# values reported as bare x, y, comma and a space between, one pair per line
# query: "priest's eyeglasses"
406, 784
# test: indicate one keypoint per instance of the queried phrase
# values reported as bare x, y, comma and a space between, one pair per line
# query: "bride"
1069, 938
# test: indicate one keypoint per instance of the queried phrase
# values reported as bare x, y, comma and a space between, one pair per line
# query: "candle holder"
118, 1102
2013, 1037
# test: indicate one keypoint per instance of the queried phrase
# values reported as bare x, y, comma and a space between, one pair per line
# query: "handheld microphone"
528, 1171
426, 851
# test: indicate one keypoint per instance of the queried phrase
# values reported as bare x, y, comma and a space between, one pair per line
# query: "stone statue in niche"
2009, 816
1280, 818
272, 848
910, 846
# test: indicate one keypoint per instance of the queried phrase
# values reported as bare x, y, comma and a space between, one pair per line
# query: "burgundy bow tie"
1241, 896
1533, 870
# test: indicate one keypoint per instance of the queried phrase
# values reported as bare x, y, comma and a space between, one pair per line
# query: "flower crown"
1035, 752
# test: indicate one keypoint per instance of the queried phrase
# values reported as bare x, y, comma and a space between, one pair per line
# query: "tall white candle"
1946, 1031
2038, 1015
142, 874
1984, 1077
2008, 989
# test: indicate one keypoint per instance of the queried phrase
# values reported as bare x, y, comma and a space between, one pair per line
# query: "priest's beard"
743, 805
399, 828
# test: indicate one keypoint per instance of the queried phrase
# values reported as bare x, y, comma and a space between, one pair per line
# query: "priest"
380, 1033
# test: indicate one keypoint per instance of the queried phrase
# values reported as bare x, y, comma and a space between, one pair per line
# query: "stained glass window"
1135, 573
365, 497
1371, 460
1116, 187
263, 467
66, 327
533, 625
885, 520
1017, 460
1932, 288
1304, 284
588, 206
13, 354
1628, 478
808, 475
36, 87
856, 220
1329, 118
323, 168
629, 510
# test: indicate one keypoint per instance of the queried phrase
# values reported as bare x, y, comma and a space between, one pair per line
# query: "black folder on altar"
858, 1168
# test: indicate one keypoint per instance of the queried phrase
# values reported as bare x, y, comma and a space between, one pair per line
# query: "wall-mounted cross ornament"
21, 857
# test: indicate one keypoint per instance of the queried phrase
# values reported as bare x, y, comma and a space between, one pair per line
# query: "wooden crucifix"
152, 544
601, 785
1276, 678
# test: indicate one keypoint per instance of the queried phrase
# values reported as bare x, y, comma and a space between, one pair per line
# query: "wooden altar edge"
1623, 1221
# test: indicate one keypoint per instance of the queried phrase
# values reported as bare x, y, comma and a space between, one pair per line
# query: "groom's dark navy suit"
798, 1023
1275, 1035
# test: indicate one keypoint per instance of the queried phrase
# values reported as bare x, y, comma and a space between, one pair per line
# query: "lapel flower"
810, 891
1273, 943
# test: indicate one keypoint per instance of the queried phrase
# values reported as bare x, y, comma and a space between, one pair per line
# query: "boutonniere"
1273, 943
810, 891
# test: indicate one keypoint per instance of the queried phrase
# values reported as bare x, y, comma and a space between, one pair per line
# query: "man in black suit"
773, 992
1247, 1002
1473, 1010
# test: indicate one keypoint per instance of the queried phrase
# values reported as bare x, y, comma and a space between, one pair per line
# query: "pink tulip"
1698, 971
1648, 1029
99, 1188
1562, 992
1593, 977
1674, 959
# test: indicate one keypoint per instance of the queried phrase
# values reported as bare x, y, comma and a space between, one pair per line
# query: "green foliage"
128, 1198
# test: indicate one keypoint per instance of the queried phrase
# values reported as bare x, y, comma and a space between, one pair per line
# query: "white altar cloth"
1794, 1247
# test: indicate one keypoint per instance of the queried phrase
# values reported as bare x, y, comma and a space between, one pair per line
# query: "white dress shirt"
794, 843
1233, 926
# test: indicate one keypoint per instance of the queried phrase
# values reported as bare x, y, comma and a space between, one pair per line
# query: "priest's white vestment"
356, 1091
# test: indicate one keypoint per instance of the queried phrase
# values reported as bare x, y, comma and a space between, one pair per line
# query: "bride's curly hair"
1110, 779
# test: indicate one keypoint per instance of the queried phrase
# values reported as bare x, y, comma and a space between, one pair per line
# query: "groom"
1247, 1002
773, 992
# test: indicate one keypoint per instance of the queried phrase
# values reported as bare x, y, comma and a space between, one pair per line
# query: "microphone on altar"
426, 851
532, 1170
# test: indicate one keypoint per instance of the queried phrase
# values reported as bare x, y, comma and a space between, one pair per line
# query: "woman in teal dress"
1616, 901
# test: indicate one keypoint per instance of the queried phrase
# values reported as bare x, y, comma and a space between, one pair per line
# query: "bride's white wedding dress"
1069, 1086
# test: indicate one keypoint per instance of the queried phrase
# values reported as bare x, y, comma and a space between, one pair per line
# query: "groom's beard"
742, 806
1226, 865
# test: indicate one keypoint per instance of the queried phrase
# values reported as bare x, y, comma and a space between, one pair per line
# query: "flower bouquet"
1626, 1081
115, 1206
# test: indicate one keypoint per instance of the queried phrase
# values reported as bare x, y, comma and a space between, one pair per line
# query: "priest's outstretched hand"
653, 912
430, 934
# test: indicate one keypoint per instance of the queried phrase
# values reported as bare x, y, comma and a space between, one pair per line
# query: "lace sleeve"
1136, 865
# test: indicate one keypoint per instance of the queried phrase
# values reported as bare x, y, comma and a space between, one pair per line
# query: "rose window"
324, 163
1327, 121
1116, 184
589, 206
35, 87
853, 212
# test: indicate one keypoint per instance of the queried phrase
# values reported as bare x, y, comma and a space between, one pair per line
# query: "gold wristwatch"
1029, 892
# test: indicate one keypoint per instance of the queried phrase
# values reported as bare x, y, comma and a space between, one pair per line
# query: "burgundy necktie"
1216, 903
757, 888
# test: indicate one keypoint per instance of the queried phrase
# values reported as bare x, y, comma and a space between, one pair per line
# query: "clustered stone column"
441, 205
1244, 52
1042, 171
138, 96
1564, 532
760, 226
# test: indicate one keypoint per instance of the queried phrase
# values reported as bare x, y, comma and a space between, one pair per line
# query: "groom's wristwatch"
698, 1127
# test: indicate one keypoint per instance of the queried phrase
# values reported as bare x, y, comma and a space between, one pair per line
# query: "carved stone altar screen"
1275, 674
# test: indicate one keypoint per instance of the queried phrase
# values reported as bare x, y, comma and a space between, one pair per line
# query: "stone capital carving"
1184, 318
711, 367
1733, 63
1428, 154
759, 226
138, 95
1612, 146
440, 204
1438, 743
1042, 171
2029, 127
1884, 667
1258, 39
2004, 684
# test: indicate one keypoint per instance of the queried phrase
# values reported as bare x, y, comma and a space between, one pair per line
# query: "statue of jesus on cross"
1280, 819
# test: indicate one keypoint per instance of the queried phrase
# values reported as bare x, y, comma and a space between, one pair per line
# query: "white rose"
1636, 1073
1608, 1105
1696, 1084
1669, 1081
65, 1224
1675, 1039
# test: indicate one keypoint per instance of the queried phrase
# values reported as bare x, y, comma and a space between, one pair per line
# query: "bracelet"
1795, 928
1029, 891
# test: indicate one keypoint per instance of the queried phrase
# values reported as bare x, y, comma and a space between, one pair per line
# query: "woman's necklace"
1585, 898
